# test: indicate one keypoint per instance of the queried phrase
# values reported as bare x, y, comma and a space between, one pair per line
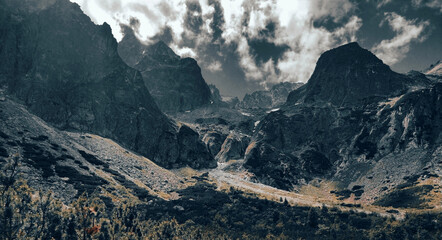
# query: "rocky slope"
274, 97
175, 83
69, 163
356, 123
67, 71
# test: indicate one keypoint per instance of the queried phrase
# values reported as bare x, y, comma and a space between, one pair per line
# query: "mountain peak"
351, 45
347, 74
161, 50
175, 83
350, 54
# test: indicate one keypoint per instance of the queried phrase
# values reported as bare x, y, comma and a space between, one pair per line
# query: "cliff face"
394, 132
67, 71
175, 83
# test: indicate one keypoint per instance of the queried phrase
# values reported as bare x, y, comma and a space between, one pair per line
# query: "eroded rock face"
271, 166
214, 140
67, 71
315, 136
233, 148
191, 149
175, 83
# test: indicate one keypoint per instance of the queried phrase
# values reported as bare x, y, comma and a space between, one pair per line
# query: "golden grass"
434, 197
250, 147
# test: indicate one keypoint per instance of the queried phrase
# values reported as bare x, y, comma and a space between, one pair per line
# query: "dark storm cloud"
230, 81
420, 51
134, 23
138, 7
269, 30
217, 24
193, 19
165, 35
133, 26
263, 50
262, 46
167, 10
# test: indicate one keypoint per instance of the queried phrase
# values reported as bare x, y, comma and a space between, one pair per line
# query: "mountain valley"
355, 151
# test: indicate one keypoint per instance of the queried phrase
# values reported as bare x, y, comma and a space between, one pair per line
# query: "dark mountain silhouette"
349, 74
175, 83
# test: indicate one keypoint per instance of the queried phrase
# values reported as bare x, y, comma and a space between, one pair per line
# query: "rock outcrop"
214, 140
175, 83
67, 71
233, 148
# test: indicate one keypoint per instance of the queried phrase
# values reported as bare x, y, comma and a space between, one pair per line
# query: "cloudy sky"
245, 45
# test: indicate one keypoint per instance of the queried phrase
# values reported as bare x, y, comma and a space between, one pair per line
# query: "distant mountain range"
275, 96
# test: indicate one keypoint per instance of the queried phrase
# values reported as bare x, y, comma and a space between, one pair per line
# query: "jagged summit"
175, 83
142, 56
161, 50
156, 55
350, 54
347, 74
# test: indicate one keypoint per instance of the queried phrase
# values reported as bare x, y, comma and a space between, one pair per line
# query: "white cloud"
394, 50
296, 30
437, 4
215, 66
383, 3
248, 64
183, 51
153, 14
